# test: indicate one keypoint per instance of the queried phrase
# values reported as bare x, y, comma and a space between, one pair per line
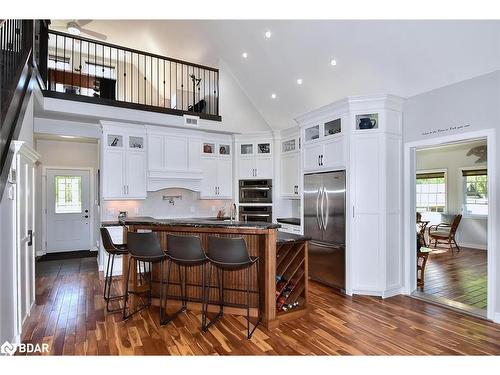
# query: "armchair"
445, 231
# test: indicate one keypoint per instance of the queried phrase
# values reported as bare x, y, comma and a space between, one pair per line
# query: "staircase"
16, 73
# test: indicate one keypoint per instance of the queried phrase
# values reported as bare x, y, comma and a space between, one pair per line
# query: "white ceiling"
399, 57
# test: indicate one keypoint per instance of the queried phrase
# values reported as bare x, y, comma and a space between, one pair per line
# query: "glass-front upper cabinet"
246, 149
323, 130
115, 140
264, 148
136, 142
289, 145
224, 149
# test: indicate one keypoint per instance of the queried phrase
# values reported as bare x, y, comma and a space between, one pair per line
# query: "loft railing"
93, 71
16, 71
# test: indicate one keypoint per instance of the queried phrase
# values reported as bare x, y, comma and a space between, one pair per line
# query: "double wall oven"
256, 199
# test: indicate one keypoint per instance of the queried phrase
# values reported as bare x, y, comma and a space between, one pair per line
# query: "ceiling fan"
75, 27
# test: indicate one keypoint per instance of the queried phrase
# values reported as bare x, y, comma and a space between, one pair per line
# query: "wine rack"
291, 277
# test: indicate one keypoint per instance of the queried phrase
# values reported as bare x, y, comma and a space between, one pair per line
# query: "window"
68, 194
431, 192
475, 192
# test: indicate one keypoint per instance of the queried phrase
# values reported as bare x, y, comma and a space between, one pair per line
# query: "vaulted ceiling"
399, 57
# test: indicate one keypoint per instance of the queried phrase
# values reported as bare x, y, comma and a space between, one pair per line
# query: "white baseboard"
373, 293
392, 292
496, 318
473, 246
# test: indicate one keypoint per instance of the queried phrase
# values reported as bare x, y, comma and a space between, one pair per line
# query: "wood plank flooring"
461, 277
69, 316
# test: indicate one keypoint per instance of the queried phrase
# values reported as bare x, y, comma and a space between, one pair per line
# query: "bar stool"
112, 249
185, 252
230, 254
143, 247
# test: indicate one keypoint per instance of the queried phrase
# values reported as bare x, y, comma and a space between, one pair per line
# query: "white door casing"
68, 227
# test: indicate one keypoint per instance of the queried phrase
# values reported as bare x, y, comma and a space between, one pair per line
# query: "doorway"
450, 205
68, 210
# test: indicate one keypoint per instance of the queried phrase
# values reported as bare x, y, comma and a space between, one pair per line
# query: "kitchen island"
283, 265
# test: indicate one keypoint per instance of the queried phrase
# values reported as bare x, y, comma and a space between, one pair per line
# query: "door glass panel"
288, 145
332, 127
208, 148
68, 191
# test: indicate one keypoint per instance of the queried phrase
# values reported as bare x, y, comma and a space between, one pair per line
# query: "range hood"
158, 180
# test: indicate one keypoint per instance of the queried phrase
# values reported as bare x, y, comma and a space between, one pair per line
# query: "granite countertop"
197, 222
284, 238
289, 220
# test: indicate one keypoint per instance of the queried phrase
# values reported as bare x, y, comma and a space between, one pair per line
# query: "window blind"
430, 175
474, 172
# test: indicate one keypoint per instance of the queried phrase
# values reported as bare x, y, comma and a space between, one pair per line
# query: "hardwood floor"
460, 277
69, 316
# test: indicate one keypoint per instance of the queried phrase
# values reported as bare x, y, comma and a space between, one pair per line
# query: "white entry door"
68, 210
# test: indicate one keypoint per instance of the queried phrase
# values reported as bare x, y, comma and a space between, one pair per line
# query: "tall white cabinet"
376, 256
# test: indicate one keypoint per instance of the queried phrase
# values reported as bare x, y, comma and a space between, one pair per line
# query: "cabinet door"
264, 167
176, 154
290, 175
113, 174
194, 155
247, 168
156, 152
224, 178
136, 175
209, 180
311, 156
333, 153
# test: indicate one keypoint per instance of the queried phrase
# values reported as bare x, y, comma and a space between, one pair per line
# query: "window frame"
461, 189
436, 170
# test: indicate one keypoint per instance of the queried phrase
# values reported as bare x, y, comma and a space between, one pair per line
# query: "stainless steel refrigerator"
324, 221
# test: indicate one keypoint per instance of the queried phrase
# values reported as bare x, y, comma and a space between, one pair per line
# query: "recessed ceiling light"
299, 81
268, 34
333, 62
273, 96
244, 55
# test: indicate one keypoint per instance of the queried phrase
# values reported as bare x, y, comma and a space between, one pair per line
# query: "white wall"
474, 102
8, 241
472, 231
55, 153
238, 113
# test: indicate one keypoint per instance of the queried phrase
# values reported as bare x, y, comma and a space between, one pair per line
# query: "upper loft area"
93, 71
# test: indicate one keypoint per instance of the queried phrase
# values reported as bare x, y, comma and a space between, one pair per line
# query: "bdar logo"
8, 348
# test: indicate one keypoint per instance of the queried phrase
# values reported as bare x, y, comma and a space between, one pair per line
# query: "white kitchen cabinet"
255, 160
136, 174
290, 175
324, 146
217, 165
123, 172
376, 198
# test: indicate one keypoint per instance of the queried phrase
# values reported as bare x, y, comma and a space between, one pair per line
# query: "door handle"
325, 220
319, 157
30, 235
317, 209
323, 207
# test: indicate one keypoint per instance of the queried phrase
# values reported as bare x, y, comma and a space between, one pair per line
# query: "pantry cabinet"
123, 161
290, 167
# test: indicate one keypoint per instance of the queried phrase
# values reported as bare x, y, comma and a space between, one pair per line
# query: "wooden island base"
279, 255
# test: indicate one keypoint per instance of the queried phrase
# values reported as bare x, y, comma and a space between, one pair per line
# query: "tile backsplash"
190, 205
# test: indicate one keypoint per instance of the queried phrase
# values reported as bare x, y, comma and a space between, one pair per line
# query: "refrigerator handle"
317, 209
327, 211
